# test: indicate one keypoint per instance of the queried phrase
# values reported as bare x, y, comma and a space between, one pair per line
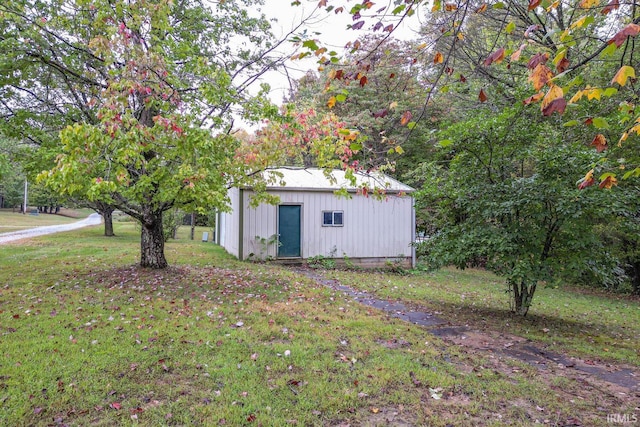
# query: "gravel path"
93, 219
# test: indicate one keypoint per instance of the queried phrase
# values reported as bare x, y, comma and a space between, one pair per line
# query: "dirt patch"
618, 378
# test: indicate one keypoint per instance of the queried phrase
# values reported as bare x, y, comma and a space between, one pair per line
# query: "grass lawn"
88, 338
579, 322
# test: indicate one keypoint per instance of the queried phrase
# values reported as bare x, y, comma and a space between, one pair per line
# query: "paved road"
92, 219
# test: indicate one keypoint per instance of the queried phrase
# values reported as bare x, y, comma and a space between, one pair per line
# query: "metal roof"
314, 179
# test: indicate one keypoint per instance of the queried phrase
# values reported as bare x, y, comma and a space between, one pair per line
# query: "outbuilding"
311, 220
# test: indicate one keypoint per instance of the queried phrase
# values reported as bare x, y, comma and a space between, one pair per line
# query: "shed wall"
372, 228
229, 225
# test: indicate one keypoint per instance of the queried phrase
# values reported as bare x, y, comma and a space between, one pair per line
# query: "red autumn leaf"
339, 74
358, 25
630, 30
496, 57
463, 79
392, 75
481, 8
438, 58
557, 105
610, 7
537, 59
116, 406
589, 121
406, 117
322, 3
381, 113
608, 182
562, 65
482, 96
363, 81
251, 418
534, 3
586, 183
600, 142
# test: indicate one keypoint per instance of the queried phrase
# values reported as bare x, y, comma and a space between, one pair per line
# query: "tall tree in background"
153, 88
505, 198
377, 105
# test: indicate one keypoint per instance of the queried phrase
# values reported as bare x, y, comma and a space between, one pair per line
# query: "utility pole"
24, 208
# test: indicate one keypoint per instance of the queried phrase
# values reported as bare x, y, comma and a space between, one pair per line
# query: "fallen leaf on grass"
116, 406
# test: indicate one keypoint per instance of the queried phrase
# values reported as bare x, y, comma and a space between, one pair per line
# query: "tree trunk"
108, 223
522, 297
106, 210
635, 277
152, 242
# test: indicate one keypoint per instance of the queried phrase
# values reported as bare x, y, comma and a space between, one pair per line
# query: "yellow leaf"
589, 175
579, 23
399, 150
560, 56
438, 58
331, 102
393, 105
540, 76
588, 4
623, 138
577, 97
624, 73
460, 36
421, 46
553, 6
594, 93
554, 93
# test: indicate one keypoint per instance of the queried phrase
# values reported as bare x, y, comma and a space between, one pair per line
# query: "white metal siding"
372, 228
229, 225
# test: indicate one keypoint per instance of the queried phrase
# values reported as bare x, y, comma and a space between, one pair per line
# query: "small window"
332, 218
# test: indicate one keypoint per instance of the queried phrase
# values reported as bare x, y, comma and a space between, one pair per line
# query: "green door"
289, 231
